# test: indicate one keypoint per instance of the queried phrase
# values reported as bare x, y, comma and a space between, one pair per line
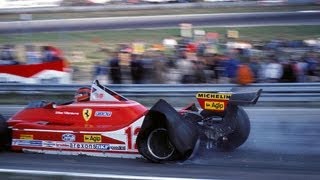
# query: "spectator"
231, 68
245, 75
186, 70
301, 68
136, 69
273, 71
159, 69
212, 67
98, 71
199, 74
115, 69
7, 55
288, 74
262, 72
255, 67
47, 54
32, 56
312, 64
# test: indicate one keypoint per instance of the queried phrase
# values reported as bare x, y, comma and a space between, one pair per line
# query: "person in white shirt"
273, 71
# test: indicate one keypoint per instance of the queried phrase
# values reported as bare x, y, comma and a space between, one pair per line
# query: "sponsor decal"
66, 113
63, 145
19, 142
86, 114
92, 138
26, 136
117, 148
68, 137
220, 96
210, 105
48, 144
103, 114
98, 95
90, 146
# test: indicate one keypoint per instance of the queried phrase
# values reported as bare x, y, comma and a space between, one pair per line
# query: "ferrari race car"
110, 125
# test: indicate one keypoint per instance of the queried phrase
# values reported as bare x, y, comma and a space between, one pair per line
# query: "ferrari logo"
86, 113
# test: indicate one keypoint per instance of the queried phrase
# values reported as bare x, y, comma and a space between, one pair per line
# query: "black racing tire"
239, 135
165, 136
159, 145
4, 134
156, 147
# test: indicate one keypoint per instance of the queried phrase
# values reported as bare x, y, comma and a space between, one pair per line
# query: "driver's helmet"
82, 94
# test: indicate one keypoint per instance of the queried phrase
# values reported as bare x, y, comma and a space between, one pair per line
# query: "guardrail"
301, 92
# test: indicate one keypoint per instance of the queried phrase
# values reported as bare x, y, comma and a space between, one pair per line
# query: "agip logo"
92, 138
86, 114
210, 105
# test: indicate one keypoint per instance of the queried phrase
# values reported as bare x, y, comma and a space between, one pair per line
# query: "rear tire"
156, 146
239, 135
159, 144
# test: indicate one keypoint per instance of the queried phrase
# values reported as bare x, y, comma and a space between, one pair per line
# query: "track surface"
284, 143
215, 20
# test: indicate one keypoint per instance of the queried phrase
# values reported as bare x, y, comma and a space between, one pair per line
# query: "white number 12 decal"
131, 136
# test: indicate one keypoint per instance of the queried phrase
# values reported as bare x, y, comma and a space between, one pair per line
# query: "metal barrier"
271, 91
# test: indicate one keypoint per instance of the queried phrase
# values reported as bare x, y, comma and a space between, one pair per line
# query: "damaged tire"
239, 135
159, 144
154, 141
165, 135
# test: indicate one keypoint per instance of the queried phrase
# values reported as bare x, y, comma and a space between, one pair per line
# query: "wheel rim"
157, 137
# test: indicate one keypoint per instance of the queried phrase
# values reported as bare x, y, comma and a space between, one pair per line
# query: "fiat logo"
68, 137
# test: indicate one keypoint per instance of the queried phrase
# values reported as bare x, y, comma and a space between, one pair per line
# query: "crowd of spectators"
275, 61
188, 62
33, 55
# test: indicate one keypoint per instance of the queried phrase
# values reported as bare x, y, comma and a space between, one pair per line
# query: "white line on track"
309, 11
304, 109
90, 175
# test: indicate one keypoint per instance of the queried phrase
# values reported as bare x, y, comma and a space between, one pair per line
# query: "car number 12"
131, 137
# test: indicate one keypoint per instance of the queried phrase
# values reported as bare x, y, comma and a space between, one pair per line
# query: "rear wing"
218, 101
244, 96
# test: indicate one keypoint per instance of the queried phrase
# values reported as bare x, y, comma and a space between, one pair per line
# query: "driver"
82, 94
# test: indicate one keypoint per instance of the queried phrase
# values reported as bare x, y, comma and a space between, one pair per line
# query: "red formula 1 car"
111, 125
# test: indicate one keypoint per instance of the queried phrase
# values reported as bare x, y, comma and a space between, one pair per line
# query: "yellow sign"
86, 113
233, 34
138, 48
92, 138
26, 136
220, 96
210, 105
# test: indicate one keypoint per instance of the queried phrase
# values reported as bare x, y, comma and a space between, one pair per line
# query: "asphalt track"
283, 144
163, 21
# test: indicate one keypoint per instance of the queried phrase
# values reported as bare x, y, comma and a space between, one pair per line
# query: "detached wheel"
239, 135
159, 145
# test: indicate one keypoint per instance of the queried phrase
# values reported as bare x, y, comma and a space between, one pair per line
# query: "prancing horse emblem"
86, 113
